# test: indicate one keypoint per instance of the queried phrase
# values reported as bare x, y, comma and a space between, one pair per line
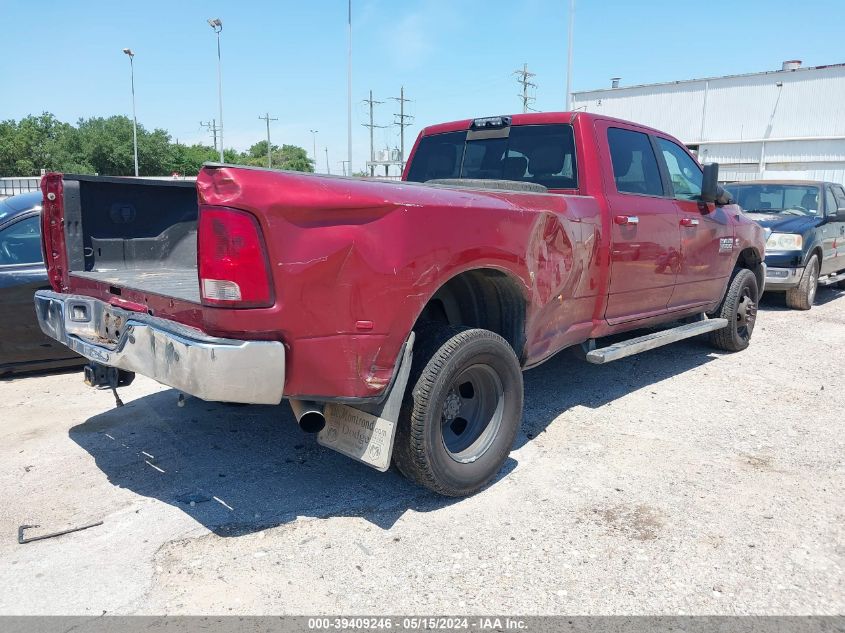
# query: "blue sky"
454, 57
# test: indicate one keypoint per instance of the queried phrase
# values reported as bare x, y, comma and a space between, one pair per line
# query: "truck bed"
133, 233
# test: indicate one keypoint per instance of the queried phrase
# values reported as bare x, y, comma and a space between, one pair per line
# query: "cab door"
829, 234
706, 233
838, 221
644, 235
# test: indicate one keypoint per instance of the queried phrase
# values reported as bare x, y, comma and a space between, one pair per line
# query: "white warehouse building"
788, 123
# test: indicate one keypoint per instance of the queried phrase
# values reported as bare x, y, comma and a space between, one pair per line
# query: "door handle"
689, 222
626, 219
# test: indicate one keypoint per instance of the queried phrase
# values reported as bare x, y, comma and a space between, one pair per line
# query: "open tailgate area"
133, 233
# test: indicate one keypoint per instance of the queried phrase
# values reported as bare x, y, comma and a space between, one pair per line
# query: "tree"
188, 159
290, 157
104, 146
34, 143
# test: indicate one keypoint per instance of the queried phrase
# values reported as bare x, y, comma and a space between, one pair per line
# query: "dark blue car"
805, 223
23, 346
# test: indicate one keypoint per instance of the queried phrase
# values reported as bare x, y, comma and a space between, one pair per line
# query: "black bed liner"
133, 233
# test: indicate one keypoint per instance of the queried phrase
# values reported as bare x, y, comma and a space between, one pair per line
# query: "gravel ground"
677, 481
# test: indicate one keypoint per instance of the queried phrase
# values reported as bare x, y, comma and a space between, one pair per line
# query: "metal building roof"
782, 105
684, 81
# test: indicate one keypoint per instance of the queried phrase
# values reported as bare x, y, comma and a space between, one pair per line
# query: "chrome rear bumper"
210, 368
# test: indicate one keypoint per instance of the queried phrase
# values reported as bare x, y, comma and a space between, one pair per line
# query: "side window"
685, 174
839, 194
634, 164
20, 243
830, 204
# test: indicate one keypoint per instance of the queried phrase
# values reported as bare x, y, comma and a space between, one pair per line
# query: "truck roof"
532, 118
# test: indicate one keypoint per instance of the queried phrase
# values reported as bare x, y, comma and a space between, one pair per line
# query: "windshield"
773, 198
542, 154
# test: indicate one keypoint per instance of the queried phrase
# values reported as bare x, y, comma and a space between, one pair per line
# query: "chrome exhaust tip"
309, 415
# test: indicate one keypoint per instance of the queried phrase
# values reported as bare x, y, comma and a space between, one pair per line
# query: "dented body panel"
355, 261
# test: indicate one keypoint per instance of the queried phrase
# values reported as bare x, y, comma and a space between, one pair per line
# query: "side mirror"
840, 214
711, 191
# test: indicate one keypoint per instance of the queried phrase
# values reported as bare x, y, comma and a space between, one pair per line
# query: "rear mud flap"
366, 433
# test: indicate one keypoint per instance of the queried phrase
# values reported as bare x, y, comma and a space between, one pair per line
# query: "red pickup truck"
397, 317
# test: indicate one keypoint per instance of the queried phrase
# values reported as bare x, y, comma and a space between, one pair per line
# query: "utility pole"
343, 167
523, 78
328, 169
211, 127
266, 118
402, 123
371, 125
569, 56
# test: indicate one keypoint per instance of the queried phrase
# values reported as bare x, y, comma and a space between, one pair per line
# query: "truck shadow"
566, 381
242, 469
826, 294
776, 301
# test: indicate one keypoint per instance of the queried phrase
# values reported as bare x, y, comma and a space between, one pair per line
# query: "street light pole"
569, 56
217, 25
131, 55
349, 90
314, 138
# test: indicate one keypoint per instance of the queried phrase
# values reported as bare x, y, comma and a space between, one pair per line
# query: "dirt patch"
758, 462
639, 522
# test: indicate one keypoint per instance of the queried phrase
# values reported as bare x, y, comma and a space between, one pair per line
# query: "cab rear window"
542, 154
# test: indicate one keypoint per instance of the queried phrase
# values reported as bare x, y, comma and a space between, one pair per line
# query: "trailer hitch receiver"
102, 376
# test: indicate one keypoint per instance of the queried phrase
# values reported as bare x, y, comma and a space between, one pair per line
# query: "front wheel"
739, 307
461, 412
804, 294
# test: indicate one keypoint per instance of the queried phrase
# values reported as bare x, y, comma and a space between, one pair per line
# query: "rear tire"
804, 294
739, 307
462, 409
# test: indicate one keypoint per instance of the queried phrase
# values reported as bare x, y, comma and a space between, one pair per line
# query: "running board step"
651, 341
831, 279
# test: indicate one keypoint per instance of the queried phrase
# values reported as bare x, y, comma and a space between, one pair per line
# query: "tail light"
232, 260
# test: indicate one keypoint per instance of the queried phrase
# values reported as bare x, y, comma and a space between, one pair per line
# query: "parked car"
805, 223
397, 317
23, 346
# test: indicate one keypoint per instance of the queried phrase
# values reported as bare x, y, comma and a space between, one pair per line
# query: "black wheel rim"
472, 413
746, 314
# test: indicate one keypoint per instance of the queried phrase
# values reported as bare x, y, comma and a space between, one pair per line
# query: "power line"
371, 125
266, 118
404, 120
523, 77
